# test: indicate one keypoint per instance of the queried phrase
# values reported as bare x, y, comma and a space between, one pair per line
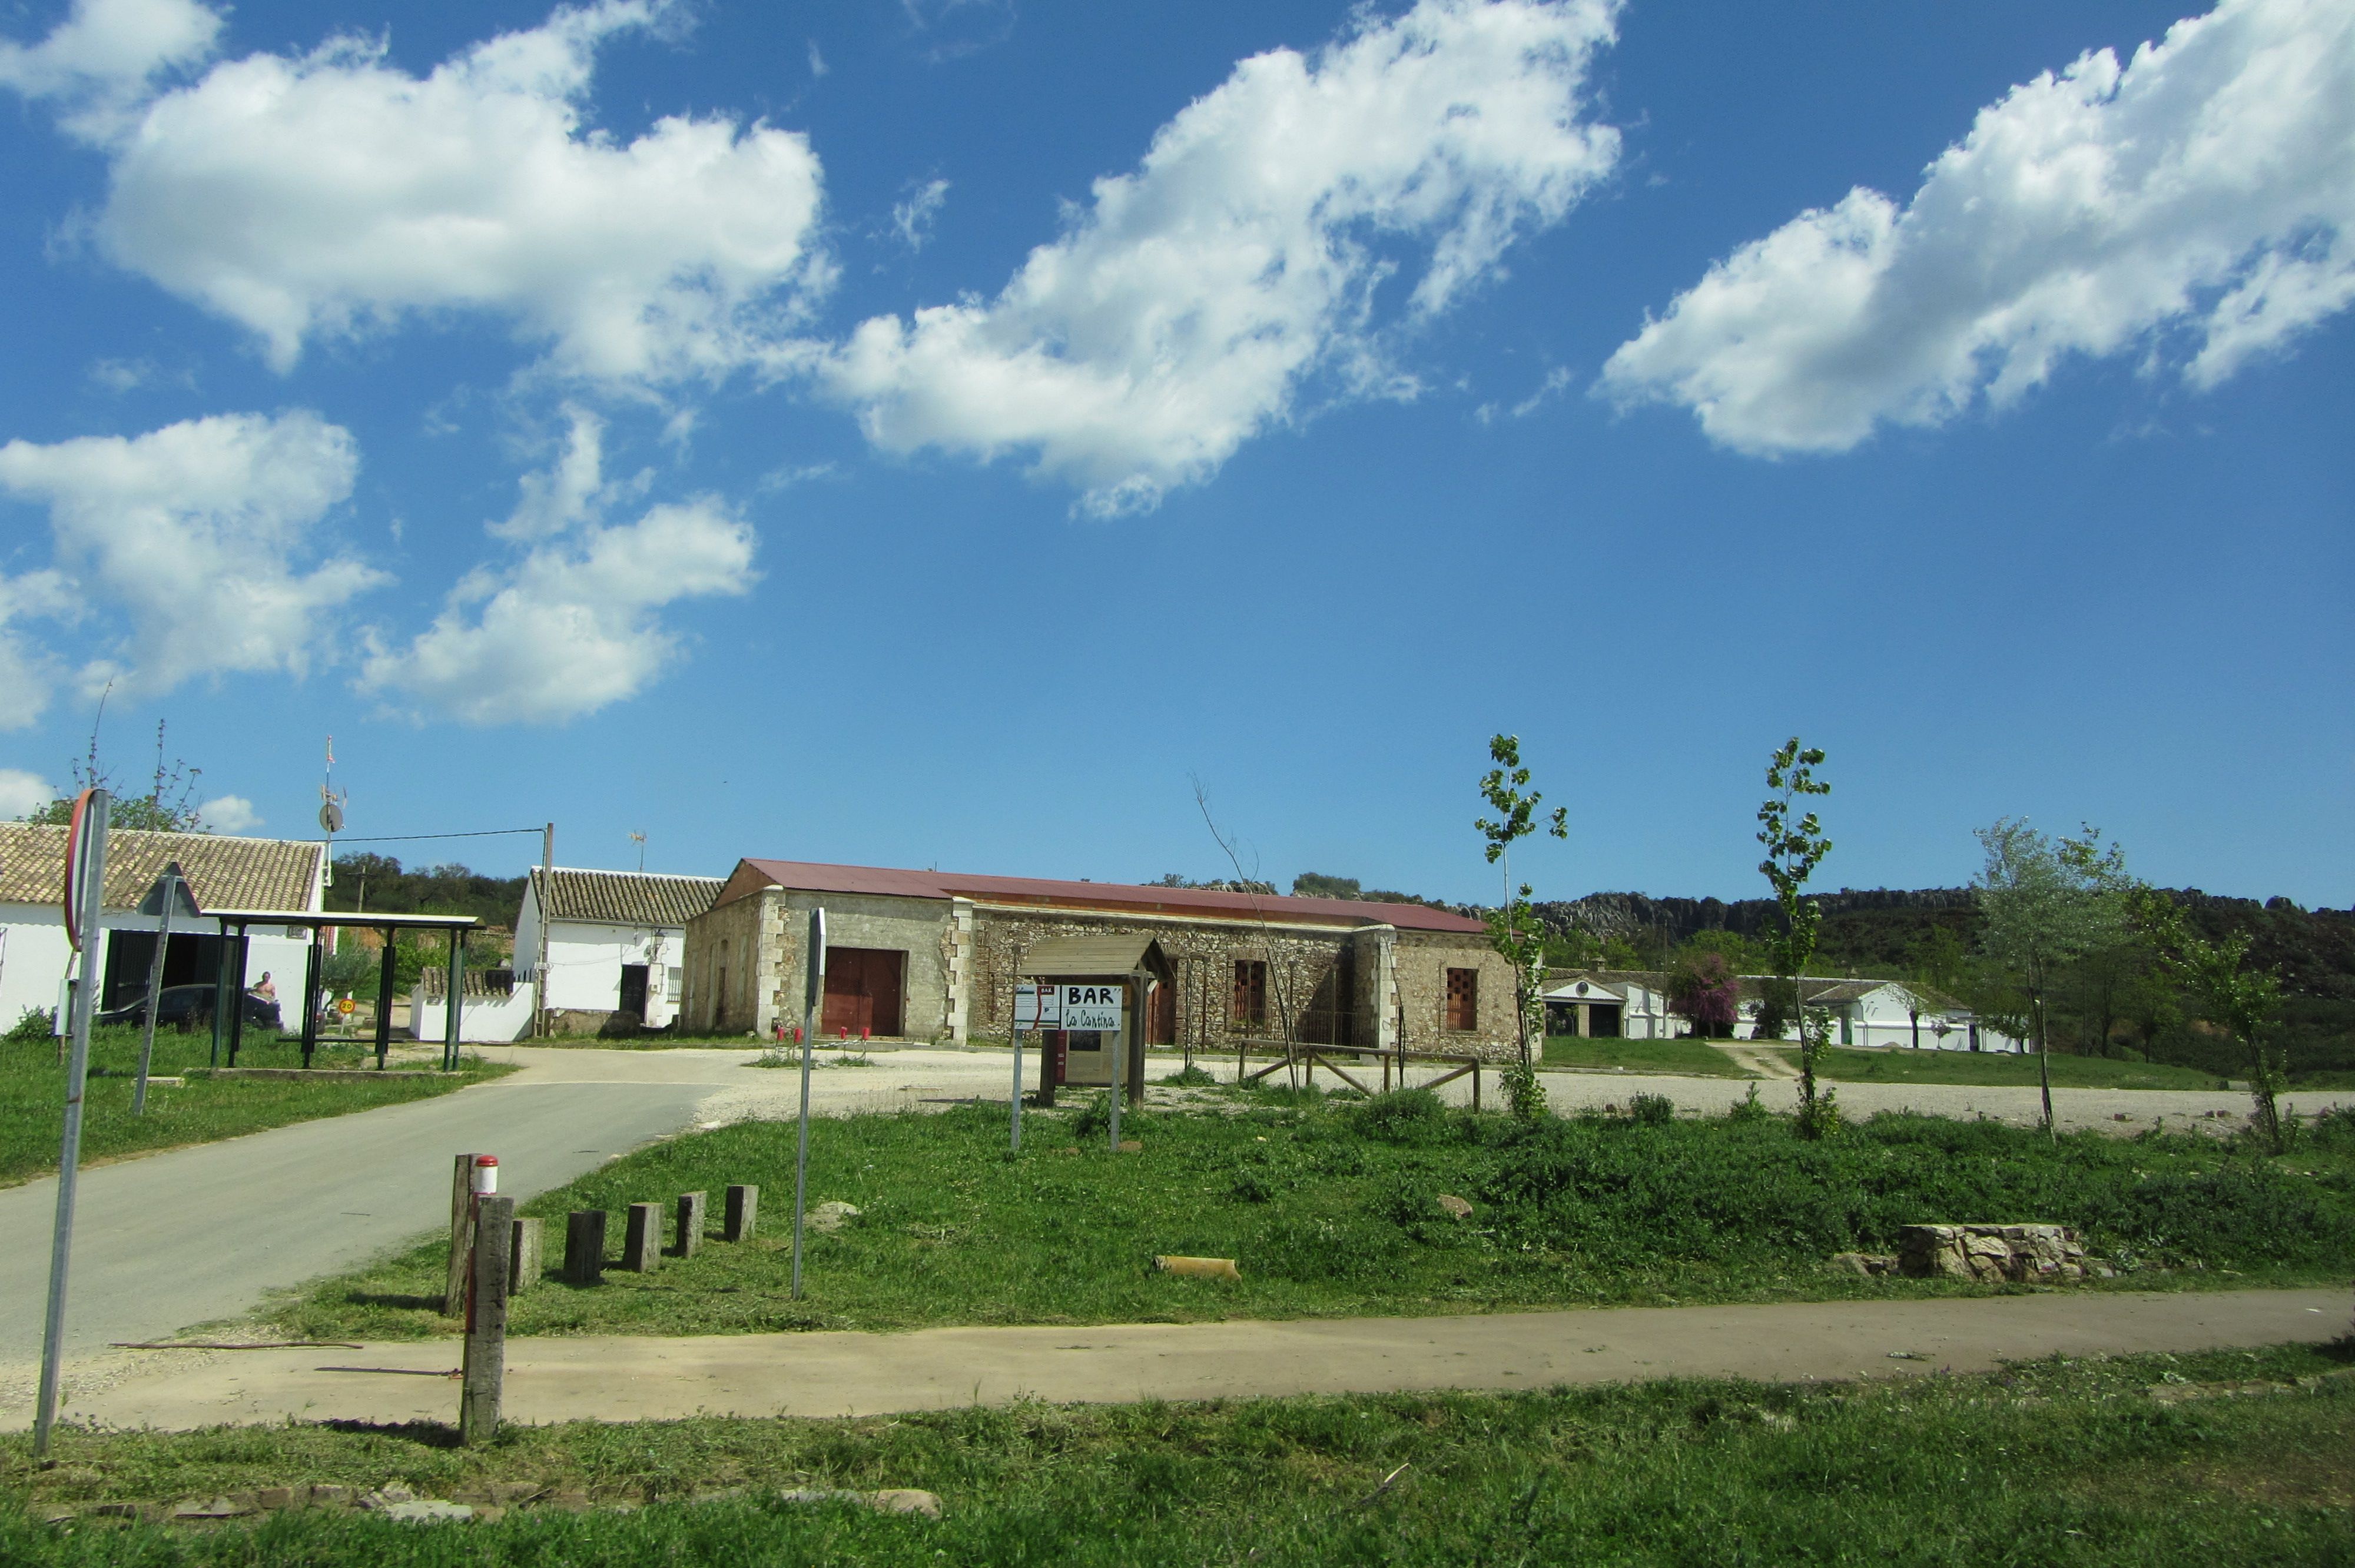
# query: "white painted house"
616, 945
223, 872
1869, 1014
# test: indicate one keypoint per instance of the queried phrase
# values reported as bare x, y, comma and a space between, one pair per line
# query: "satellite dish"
331, 817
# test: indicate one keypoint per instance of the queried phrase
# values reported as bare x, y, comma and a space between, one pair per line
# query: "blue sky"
924, 433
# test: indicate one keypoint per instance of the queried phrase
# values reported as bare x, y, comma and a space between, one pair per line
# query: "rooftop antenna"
640, 840
331, 811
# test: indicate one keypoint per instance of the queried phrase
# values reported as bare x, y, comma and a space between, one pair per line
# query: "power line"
416, 837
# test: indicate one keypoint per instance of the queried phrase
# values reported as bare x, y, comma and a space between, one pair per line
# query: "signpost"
84, 889
168, 897
813, 1001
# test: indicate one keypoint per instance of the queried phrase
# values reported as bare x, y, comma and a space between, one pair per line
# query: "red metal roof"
814, 877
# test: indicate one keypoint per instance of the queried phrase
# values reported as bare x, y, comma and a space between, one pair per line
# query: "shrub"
34, 1023
1402, 1116
1747, 1108
1191, 1077
1652, 1109
1094, 1118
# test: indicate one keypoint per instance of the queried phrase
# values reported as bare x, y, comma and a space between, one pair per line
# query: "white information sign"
1096, 1007
1038, 1007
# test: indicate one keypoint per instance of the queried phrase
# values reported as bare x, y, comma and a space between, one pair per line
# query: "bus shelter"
1083, 970
229, 1022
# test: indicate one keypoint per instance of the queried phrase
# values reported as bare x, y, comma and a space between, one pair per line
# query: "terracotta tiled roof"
1198, 902
627, 897
223, 872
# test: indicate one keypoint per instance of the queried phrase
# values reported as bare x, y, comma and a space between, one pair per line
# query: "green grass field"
1332, 1209
1991, 1067
2049, 1462
32, 1095
1691, 1058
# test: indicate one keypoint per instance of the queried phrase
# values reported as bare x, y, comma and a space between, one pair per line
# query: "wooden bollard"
462, 1235
743, 1208
642, 1242
688, 1211
584, 1248
1198, 1268
523, 1257
485, 1373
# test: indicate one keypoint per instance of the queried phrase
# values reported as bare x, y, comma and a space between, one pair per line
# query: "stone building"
925, 955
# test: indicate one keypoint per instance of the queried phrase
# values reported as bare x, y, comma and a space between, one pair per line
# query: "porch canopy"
388, 923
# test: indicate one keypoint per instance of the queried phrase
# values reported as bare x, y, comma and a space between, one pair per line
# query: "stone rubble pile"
1991, 1253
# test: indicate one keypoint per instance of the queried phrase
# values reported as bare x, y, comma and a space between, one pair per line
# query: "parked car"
189, 1006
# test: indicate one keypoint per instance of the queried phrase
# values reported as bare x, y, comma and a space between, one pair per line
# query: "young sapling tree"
1794, 850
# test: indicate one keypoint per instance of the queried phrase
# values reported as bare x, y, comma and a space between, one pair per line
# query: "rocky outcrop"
1992, 1252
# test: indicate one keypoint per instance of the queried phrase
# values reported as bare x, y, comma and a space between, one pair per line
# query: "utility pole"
547, 894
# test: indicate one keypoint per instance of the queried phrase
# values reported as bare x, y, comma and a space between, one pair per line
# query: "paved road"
198, 1234
647, 1378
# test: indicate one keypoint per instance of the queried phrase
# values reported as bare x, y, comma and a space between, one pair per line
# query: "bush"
1094, 1118
1402, 1116
35, 1023
1747, 1108
1652, 1109
1191, 1077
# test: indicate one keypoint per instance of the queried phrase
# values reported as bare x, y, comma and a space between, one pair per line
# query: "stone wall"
1423, 960
918, 927
723, 959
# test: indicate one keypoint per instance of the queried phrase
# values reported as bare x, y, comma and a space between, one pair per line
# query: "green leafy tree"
1514, 929
2244, 1000
1794, 850
2047, 903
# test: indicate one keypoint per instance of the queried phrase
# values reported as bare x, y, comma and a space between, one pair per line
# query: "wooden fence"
1309, 1057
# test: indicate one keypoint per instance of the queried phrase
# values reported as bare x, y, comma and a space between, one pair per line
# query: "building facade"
1869, 1014
616, 945
922, 954
223, 872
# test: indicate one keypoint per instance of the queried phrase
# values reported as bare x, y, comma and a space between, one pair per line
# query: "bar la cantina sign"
1069, 1007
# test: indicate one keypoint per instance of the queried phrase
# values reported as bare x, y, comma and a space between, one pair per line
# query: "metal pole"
154, 988
90, 887
455, 1008
1120, 1050
547, 894
220, 989
383, 997
1015, 991
813, 999
311, 997
237, 1012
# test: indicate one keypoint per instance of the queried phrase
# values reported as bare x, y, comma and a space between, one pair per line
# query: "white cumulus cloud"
200, 534
22, 793
572, 625
28, 669
333, 194
1189, 301
229, 814
100, 60
2195, 206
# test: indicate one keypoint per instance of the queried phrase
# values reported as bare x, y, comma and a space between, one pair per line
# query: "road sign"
1038, 1007
81, 836
344, 1006
1096, 1007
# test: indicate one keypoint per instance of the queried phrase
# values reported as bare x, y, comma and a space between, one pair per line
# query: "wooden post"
690, 1222
311, 997
584, 1248
523, 1257
453, 1005
236, 993
642, 1242
1475, 1085
484, 1370
541, 1025
743, 1209
462, 1235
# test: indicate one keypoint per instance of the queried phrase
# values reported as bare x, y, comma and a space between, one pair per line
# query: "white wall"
35, 957
490, 1019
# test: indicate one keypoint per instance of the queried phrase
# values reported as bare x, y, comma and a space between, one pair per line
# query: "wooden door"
634, 990
862, 991
1161, 1026
1463, 1000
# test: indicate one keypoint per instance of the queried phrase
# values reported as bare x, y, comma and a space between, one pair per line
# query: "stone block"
743, 1210
523, 1257
687, 1223
584, 1248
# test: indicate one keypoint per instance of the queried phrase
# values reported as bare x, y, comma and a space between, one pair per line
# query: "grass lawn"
1693, 1058
33, 1095
1902, 1066
1331, 1209
2050, 1462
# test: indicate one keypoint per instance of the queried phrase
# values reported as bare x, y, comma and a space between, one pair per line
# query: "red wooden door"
862, 991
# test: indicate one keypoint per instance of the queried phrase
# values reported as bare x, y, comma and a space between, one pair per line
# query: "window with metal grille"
1463, 1000
1250, 992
